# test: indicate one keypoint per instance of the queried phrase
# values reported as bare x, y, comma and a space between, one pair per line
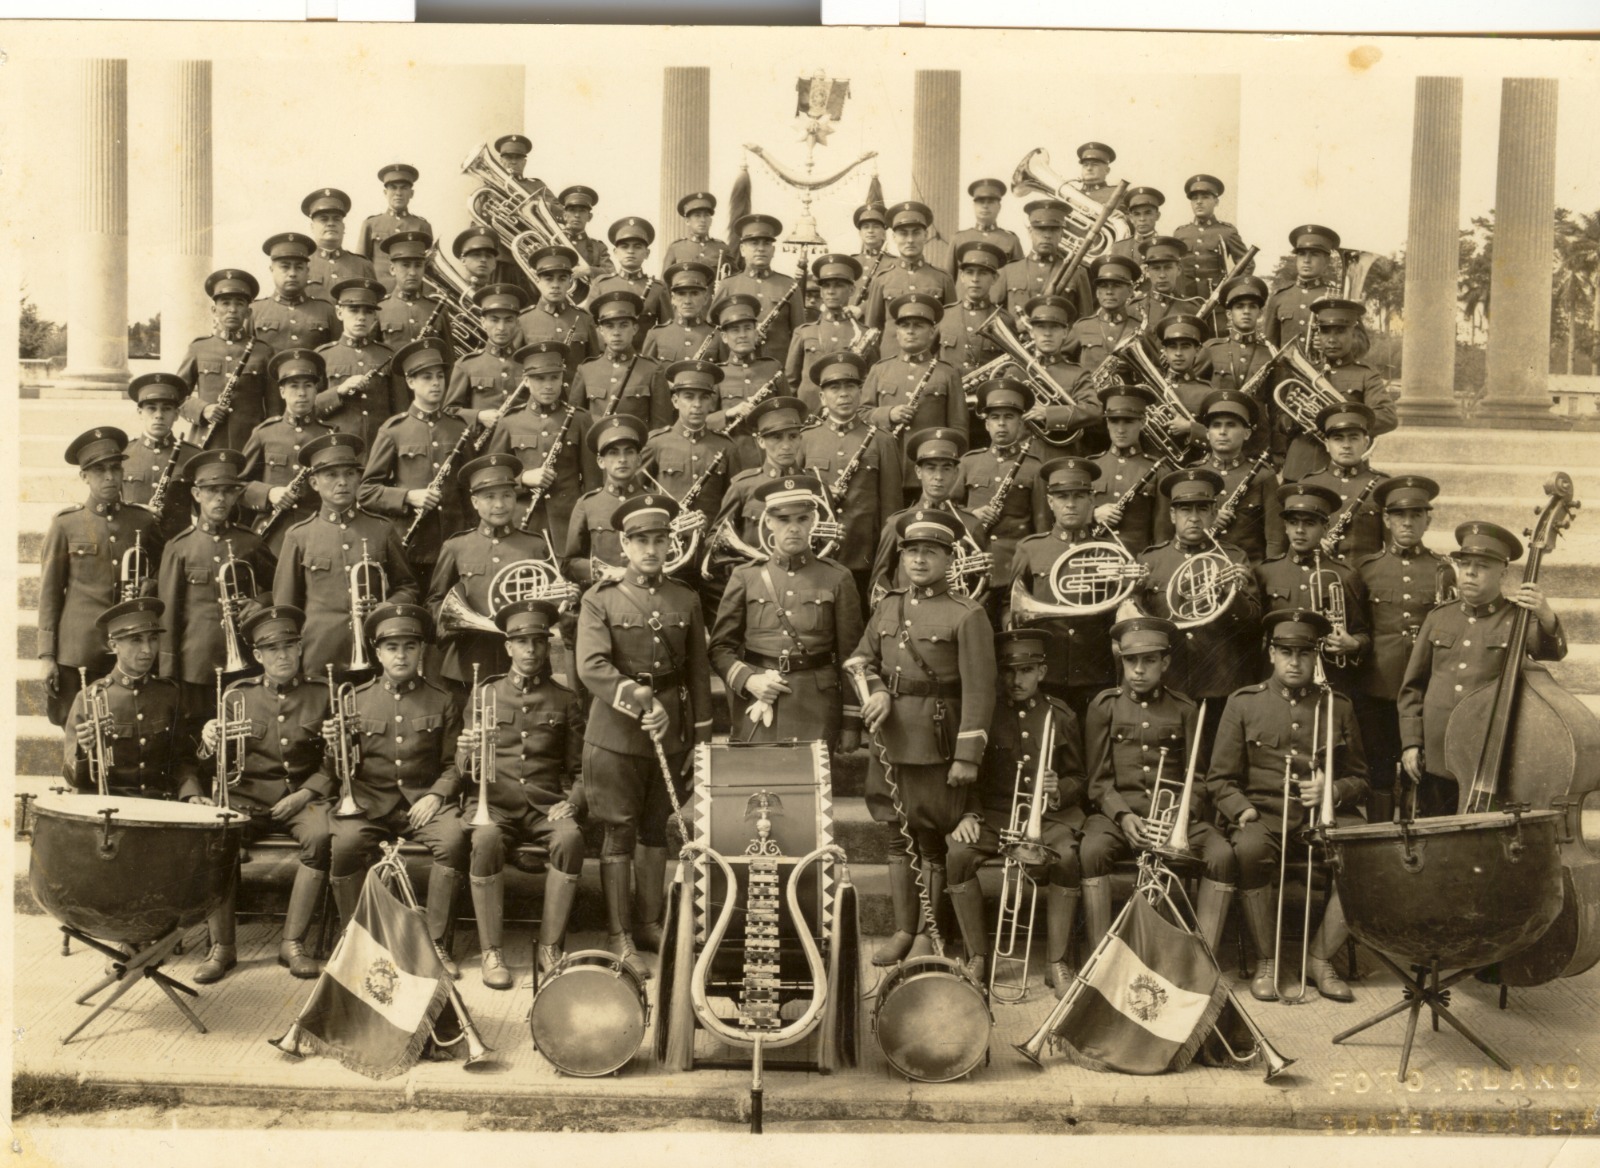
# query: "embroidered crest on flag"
1146, 998
381, 979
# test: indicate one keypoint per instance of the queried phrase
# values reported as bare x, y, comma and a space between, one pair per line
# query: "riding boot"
922, 943
967, 900
303, 898
224, 953
1319, 964
614, 884
1211, 911
1256, 904
560, 890
1382, 809
442, 885
488, 905
346, 894
649, 896
907, 913
1096, 910
1061, 911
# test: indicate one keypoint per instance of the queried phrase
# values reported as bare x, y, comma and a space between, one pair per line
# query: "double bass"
1525, 740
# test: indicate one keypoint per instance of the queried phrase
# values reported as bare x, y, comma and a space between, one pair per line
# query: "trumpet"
1024, 847
485, 711
233, 729
1085, 579
369, 584
1084, 215
134, 571
1168, 822
97, 712
1202, 588
519, 580
1328, 598
347, 748
236, 582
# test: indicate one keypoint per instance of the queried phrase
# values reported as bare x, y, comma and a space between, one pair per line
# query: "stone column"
1521, 280
97, 252
1433, 255
183, 125
685, 143
936, 152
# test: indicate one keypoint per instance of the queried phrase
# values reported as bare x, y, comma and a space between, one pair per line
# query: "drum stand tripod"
128, 969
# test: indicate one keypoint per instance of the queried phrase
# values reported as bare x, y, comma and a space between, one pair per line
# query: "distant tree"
1386, 287
1477, 259
144, 338
1578, 280
37, 337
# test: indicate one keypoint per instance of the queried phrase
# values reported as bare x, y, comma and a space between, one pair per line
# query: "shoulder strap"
906, 643
652, 621
783, 617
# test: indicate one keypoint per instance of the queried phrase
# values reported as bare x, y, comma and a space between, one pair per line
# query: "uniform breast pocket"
981, 481
318, 567
673, 468
427, 728
934, 637
812, 611
83, 547
372, 728
631, 635
122, 731
267, 329
1443, 640
472, 569
278, 463
209, 366
1268, 741
413, 458
820, 465
198, 576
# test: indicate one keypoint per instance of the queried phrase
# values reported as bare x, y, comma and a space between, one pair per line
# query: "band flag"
1148, 1001
374, 1006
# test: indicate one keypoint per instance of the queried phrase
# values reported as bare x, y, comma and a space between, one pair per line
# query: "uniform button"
1146, 770
283, 742
1458, 689
280, 716
1294, 725
1145, 725
138, 717
397, 717
1468, 641
399, 738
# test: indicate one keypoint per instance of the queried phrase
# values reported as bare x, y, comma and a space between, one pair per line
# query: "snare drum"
931, 1020
590, 1015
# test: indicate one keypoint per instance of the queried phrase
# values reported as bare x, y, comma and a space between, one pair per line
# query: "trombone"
369, 584
233, 726
236, 582
485, 711
1322, 727
347, 748
97, 712
1024, 847
134, 572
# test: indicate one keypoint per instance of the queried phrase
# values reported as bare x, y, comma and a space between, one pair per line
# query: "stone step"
1569, 450
1580, 672
1491, 479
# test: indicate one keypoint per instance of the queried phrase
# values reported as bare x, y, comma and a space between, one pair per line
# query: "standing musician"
405, 782
1461, 647
935, 453
550, 439
685, 336
535, 754
317, 554
911, 274
158, 455
986, 195
620, 380
872, 227
1010, 766
1286, 581
1161, 294
758, 235
1214, 245
478, 249
593, 550
1049, 319
81, 567
1081, 645
1020, 281
1343, 340
213, 362
894, 382
1000, 483
1267, 727
786, 627
1125, 467
148, 752
513, 150
409, 307
331, 264
1181, 336
1127, 729
1236, 356
1230, 419
684, 456
977, 264
1092, 337
778, 422
1397, 581
272, 453
1217, 655
631, 238
1346, 431
641, 651
554, 317
698, 247
284, 783
471, 559
1143, 207
291, 318
841, 443
835, 276
930, 671
577, 208
745, 373
1094, 164
1288, 312
363, 388
483, 380
399, 183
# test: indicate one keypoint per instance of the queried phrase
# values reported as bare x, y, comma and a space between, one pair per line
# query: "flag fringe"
1208, 1020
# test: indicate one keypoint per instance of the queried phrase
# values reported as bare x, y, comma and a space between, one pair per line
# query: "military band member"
894, 382
537, 749
533, 433
399, 183
1462, 647
641, 652
482, 262
554, 317
680, 456
1080, 644
778, 298
1020, 281
785, 628
685, 337
929, 660
292, 318
777, 422
1126, 730
364, 388
1404, 582
1342, 341
81, 566
577, 208
1288, 314
1230, 419
840, 436
405, 783
1181, 336
317, 554
1093, 337
331, 264
284, 784
149, 750
911, 274
1049, 321
158, 453
1016, 734
621, 381
745, 373
211, 363
698, 247
961, 342
1214, 245
1213, 658
1286, 581
1094, 163
1236, 355
1009, 463
986, 195
1143, 208
483, 380
872, 227
834, 329
1345, 432
594, 541
410, 307
631, 238
1266, 727
1126, 466
513, 150
272, 454
1161, 293
935, 455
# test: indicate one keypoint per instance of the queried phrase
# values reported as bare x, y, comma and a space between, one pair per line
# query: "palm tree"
1477, 260
1578, 268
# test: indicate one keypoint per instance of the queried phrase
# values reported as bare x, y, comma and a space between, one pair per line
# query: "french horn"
1201, 589
520, 580
1086, 579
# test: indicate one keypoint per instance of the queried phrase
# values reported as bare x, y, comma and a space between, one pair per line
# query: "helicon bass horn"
525, 221
1035, 175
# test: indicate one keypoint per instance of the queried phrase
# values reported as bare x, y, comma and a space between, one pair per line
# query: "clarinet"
1230, 506
866, 283
549, 463
1003, 489
1340, 527
446, 469
764, 325
290, 500
1120, 507
158, 497
225, 396
915, 399
700, 481
755, 399
841, 485
703, 353
513, 400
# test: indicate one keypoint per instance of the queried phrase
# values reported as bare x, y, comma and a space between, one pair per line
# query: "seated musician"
1010, 463
536, 753
1126, 467
1015, 736
936, 454
550, 439
1460, 648
284, 784
1256, 528
1266, 727
1347, 431
405, 783
1126, 732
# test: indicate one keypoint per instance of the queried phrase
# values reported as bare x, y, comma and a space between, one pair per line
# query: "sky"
1303, 129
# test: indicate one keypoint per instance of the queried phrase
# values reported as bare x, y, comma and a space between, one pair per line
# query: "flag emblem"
1146, 998
381, 979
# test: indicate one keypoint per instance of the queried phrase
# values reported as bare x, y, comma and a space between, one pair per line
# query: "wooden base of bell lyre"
128, 970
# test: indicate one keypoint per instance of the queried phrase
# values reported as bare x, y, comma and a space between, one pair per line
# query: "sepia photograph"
852, 582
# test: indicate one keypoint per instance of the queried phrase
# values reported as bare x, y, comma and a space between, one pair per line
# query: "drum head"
932, 1023
589, 1019
131, 809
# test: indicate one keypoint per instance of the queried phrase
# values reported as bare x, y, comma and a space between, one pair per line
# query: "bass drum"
590, 1016
131, 870
931, 1020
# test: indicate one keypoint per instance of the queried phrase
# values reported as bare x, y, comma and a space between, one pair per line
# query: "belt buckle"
783, 662
654, 624
648, 679
893, 685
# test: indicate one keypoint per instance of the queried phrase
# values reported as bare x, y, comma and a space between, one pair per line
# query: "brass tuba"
451, 285
524, 221
1087, 578
520, 580
1034, 175
1307, 392
1202, 588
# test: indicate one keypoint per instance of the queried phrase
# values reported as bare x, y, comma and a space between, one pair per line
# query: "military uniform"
406, 455
672, 341
1285, 582
472, 559
769, 290
1093, 337
1257, 526
829, 333
1364, 536
333, 266
677, 457
898, 279
874, 491
689, 250
886, 570
151, 753
569, 324
656, 304
892, 381
1144, 519
529, 433
304, 323
1356, 382
634, 386
1023, 280
960, 342
1211, 660
995, 236
193, 644
381, 397
147, 461
1024, 509
593, 539
1287, 314
401, 320
483, 380
208, 366
1215, 245
271, 459
375, 229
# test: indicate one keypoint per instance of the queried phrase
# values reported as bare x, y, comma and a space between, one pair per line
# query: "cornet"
1024, 847
347, 750
1328, 598
97, 712
134, 572
369, 584
485, 710
233, 730
236, 583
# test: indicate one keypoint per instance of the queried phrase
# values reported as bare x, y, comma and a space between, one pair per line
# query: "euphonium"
97, 712
1024, 847
369, 584
1202, 588
1306, 394
485, 711
1045, 390
236, 582
134, 572
1086, 579
1328, 598
1034, 173
347, 750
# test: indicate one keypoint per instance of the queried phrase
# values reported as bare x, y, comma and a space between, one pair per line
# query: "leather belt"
659, 681
790, 662
901, 686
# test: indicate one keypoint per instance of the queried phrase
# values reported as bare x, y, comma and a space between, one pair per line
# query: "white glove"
759, 711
